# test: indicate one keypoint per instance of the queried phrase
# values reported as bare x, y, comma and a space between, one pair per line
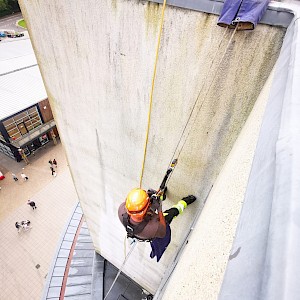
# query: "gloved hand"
155, 202
150, 192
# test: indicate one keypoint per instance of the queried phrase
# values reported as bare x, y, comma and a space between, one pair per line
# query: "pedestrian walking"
53, 173
55, 163
51, 163
14, 176
26, 225
32, 204
18, 226
25, 178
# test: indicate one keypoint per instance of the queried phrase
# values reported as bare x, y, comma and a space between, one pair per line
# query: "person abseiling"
142, 216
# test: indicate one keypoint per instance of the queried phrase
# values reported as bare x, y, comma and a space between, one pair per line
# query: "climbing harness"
133, 230
155, 197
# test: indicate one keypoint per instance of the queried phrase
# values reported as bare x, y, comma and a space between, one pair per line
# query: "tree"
3, 5
14, 5
8, 6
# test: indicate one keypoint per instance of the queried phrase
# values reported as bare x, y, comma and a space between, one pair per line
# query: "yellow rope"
152, 89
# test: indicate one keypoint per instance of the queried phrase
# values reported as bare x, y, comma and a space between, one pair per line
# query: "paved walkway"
14, 194
26, 256
9, 22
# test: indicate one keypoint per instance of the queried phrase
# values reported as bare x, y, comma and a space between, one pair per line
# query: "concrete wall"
97, 58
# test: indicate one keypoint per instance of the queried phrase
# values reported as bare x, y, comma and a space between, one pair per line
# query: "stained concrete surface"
98, 75
210, 244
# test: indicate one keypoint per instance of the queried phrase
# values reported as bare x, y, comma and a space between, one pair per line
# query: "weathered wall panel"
97, 60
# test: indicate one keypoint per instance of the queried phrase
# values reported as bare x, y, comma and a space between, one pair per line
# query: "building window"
22, 123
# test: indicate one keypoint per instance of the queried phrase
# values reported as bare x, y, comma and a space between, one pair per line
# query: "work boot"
189, 199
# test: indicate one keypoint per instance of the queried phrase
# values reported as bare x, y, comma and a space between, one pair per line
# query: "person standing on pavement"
50, 163
18, 226
25, 178
32, 204
14, 176
55, 163
26, 225
53, 172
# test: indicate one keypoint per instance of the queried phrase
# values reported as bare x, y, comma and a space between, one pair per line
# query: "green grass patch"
22, 23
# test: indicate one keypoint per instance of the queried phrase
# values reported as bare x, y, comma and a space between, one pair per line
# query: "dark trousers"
170, 214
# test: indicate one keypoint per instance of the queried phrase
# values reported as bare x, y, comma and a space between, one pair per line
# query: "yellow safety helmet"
137, 203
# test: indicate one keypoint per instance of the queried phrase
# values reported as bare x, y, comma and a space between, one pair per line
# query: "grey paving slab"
84, 246
83, 253
77, 216
74, 223
69, 237
76, 280
58, 271
56, 281
79, 297
78, 271
63, 253
61, 262
84, 231
72, 229
66, 245
78, 210
84, 239
75, 290
53, 292
82, 261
